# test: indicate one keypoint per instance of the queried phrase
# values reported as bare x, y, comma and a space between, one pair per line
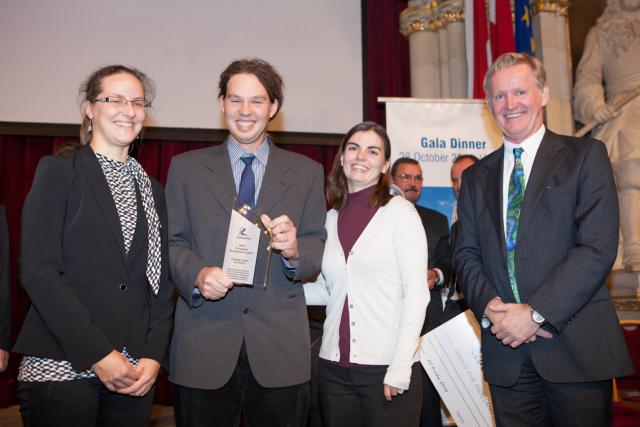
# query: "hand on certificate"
516, 326
213, 283
283, 236
390, 392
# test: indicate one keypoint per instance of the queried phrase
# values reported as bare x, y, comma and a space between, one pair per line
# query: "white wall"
48, 47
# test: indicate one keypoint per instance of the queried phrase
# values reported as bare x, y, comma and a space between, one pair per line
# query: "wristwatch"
537, 317
485, 322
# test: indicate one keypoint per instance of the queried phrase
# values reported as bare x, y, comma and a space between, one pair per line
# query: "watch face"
537, 317
485, 323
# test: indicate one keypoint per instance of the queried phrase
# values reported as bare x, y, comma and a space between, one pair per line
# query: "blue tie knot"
249, 159
517, 152
247, 187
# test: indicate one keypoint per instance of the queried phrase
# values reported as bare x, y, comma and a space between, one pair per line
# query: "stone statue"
607, 76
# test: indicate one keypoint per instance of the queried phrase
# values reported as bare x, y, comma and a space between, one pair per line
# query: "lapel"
275, 181
549, 157
102, 194
219, 176
492, 185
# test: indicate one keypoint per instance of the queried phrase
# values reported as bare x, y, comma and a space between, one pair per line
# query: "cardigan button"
123, 287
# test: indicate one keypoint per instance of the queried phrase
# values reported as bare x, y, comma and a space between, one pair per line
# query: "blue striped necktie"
247, 188
516, 194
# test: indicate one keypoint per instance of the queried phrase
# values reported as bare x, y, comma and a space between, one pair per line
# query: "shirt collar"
236, 152
529, 145
111, 164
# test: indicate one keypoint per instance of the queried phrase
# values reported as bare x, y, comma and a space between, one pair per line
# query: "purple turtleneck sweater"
352, 220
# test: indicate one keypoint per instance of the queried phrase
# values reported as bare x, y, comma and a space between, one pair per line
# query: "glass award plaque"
245, 263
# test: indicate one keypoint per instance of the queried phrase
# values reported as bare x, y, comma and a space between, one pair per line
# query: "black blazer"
5, 283
436, 228
566, 246
87, 297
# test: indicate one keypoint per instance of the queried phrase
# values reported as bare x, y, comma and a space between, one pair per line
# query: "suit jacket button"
123, 286
245, 311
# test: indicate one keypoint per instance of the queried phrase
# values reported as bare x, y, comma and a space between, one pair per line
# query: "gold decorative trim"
429, 17
559, 7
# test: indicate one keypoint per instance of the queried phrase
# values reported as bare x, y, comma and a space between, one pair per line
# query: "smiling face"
247, 110
408, 177
363, 160
516, 102
115, 127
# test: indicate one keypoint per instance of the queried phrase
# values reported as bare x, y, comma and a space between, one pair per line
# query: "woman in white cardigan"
374, 285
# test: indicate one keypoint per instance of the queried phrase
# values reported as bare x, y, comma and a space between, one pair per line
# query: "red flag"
501, 28
478, 48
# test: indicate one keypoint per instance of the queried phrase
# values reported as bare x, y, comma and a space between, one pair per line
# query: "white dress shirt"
530, 148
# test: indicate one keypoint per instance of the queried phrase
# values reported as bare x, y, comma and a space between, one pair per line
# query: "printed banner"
434, 132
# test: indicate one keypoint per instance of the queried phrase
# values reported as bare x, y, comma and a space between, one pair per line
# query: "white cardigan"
386, 280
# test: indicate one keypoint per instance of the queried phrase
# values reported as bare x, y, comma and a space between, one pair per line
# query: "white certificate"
241, 252
451, 356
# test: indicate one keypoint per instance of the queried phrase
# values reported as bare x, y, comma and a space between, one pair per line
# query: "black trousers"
532, 401
82, 403
355, 397
242, 395
430, 415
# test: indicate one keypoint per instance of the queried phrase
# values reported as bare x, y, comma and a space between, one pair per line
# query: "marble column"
418, 24
437, 48
551, 34
457, 49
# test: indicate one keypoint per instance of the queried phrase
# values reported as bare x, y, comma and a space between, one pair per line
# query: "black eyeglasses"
407, 177
119, 102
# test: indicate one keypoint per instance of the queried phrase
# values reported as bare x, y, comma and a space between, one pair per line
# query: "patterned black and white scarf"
121, 177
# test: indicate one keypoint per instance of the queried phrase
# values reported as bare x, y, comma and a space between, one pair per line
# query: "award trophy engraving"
243, 253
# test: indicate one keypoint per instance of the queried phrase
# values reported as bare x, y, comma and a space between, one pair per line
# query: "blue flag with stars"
524, 27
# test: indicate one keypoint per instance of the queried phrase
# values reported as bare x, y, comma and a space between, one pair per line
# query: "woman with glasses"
374, 285
94, 263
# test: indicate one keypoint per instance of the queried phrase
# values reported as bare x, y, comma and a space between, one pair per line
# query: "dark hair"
511, 59
92, 86
403, 161
462, 157
337, 189
268, 76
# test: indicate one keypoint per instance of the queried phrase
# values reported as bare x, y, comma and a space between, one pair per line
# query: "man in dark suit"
407, 175
5, 291
243, 349
532, 264
455, 303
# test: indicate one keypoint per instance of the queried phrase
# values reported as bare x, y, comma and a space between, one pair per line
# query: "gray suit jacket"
273, 324
566, 245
